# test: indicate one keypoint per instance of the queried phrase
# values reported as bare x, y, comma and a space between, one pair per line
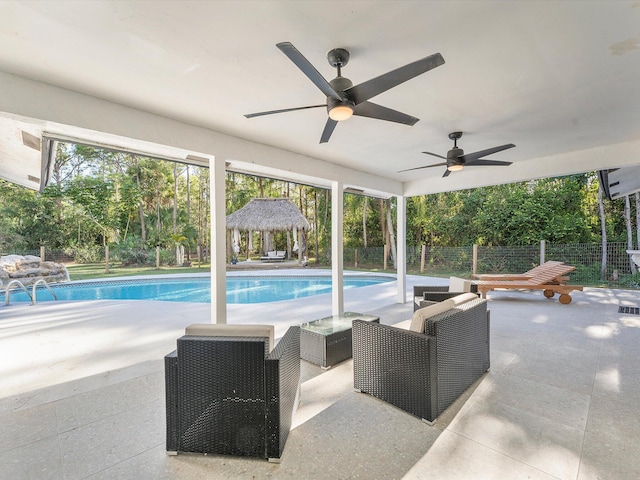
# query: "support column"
337, 233
401, 252
218, 241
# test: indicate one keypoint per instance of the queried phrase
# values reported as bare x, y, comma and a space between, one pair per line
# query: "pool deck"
82, 395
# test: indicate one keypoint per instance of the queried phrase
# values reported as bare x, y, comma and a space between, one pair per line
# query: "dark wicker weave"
423, 373
435, 294
329, 349
228, 395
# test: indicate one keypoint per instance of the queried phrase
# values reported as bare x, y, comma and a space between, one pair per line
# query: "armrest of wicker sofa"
282, 385
419, 290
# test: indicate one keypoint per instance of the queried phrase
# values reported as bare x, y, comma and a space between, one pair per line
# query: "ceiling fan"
343, 98
456, 158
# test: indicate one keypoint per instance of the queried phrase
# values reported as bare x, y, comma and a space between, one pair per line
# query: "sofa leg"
274, 460
171, 452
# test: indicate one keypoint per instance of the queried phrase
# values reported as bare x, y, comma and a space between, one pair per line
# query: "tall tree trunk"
315, 220
188, 213
637, 220
627, 221
603, 226
392, 238
383, 222
175, 198
365, 203
143, 228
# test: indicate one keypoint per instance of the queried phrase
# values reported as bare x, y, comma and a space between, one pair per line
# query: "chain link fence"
436, 261
459, 261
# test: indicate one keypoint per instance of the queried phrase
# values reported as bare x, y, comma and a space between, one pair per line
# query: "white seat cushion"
421, 315
225, 330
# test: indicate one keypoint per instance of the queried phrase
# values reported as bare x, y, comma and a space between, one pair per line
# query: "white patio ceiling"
559, 79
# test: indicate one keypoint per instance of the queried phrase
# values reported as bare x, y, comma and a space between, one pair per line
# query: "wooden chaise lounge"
517, 276
551, 279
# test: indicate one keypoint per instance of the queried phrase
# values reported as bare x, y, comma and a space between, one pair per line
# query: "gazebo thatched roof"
267, 214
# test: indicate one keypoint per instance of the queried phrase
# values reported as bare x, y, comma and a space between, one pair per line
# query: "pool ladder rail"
33, 295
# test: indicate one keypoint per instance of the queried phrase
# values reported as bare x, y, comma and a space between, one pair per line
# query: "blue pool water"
240, 289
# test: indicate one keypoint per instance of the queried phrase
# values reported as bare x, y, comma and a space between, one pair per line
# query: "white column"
337, 233
401, 230
218, 241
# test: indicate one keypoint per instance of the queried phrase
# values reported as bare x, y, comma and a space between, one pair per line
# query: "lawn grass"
90, 271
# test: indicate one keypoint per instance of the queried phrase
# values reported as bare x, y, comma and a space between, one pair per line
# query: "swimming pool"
240, 289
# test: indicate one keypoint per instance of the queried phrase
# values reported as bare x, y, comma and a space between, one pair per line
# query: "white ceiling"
560, 79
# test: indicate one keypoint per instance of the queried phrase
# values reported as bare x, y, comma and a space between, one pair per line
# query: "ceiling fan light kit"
343, 99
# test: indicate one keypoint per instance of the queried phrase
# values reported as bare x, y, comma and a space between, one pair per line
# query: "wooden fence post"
106, 259
543, 245
475, 259
355, 258
422, 256
158, 256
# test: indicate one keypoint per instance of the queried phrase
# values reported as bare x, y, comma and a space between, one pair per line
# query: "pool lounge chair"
551, 280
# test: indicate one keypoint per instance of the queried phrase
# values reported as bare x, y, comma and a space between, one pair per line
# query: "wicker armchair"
227, 392
423, 373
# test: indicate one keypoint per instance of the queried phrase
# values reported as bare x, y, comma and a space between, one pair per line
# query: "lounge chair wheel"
565, 298
550, 293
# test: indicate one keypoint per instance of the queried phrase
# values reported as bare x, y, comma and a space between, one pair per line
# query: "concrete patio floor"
82, 395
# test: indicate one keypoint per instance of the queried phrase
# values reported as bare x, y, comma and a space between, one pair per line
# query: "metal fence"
457, 261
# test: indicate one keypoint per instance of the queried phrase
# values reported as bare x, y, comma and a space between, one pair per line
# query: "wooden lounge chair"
551, 280
517, 276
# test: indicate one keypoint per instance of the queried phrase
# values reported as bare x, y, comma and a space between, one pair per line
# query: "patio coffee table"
328, 341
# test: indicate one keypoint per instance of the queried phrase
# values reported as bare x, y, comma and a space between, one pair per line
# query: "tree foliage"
101, 197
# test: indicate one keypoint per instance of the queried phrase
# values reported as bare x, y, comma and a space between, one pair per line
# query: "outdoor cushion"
457, 284
423, 314
465, 297
225, 330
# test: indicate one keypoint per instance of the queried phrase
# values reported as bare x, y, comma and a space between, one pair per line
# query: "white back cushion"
224, 330
457, 284
423, 314
464, 298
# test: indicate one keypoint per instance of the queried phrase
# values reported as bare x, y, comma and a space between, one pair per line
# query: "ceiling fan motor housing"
340, 84
453, 157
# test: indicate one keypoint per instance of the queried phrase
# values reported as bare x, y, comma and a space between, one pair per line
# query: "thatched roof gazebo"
269, 215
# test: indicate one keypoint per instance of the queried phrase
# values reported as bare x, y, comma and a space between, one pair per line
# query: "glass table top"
335, 323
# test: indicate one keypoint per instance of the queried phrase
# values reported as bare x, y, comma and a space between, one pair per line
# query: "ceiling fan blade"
470, 157
373, 110
446, 173
308, 69
271, 112
328, 130
435, 155
369, 89
485, 161
425, 166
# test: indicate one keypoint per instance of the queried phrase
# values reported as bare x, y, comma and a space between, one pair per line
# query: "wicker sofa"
229, 392
433, 293
424, 364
